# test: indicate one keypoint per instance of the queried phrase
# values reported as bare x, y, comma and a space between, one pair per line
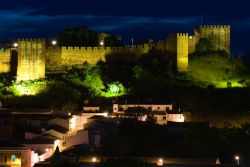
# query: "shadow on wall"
13, 62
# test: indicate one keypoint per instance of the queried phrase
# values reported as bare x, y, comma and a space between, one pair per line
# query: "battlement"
31, 40
214, 26
182, 34
102, 48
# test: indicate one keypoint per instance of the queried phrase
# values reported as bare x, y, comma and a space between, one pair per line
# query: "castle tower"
177, 44
31, 59
219, 35
182, 52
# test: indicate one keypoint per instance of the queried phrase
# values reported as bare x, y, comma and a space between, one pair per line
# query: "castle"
34, 58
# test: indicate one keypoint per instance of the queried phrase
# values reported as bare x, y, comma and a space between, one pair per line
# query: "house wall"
81, 137
152, 107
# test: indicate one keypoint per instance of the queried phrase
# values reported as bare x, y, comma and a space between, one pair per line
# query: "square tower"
31, 59
177, 44
218, 35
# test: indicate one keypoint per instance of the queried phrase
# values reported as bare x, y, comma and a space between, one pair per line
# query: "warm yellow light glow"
102, 43
15, 44
94, 159
56, 143
160, 162
237, 158
54, 42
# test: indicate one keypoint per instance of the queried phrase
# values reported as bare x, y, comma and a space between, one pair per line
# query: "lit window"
13, 158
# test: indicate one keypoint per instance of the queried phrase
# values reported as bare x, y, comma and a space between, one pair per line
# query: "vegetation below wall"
213, 84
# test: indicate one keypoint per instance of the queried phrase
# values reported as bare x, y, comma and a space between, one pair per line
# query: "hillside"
211, 81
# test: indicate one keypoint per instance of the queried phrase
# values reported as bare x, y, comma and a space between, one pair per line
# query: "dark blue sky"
140, 19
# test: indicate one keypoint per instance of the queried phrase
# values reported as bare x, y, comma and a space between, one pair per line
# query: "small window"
158, 108
13, 158
164, 118
5, 159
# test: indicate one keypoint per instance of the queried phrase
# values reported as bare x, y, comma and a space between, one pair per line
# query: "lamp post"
237, 158
94, 159
160, 162
15, 45
54, 42
101, 43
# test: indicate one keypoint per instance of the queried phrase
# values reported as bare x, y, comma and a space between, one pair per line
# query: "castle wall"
32, 54
171, 43
53, 58
5, 61
31, 59
182, 52
219, 35
177, 44
68, 56
192, 42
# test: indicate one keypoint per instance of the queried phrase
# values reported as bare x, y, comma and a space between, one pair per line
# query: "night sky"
138, 19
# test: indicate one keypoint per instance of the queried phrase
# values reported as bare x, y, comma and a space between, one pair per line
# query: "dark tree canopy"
83, 36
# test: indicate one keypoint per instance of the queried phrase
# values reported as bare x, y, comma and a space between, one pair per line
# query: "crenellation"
33, 55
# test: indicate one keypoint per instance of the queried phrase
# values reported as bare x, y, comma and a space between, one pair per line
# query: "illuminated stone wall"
68, 56
219, 35
31, 59
192, 42
5, 61
53, 59
182, 52
177, 44
32, 55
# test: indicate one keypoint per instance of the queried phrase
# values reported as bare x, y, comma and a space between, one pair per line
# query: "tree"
81, 36
93, 80
56, 158
204, 47
112, 40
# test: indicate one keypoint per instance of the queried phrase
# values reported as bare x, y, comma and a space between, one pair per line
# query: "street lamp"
102, 43
237, 158
54, 42
94, 159
160, 162
15, 45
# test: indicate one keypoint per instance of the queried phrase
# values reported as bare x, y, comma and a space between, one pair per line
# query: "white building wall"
80, 138
38, 147
153, 107
175, 117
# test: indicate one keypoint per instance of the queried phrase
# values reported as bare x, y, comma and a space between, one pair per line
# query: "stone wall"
177, 44
5, 61
182, 52
219, 35
68, 56
31, 59
32, 55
